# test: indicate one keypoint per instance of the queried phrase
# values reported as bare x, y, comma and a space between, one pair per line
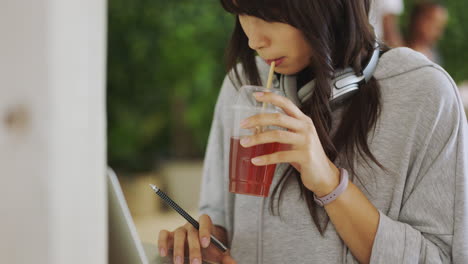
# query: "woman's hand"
187, 239
306, 153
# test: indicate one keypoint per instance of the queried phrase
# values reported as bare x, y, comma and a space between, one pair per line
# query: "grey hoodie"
421, 138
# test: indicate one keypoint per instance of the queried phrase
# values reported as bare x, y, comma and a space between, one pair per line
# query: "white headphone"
345, 83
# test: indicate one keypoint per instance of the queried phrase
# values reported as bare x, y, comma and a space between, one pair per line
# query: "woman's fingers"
278, 119
194, 245
164, 242
280, 136
180, 235
205, 230
284, 103
186, 240
280, 157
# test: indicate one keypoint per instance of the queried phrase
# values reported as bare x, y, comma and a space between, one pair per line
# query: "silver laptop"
125, 246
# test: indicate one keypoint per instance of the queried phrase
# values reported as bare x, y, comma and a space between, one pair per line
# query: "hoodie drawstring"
260, 233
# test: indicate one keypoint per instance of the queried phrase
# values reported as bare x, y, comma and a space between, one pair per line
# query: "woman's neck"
304, 76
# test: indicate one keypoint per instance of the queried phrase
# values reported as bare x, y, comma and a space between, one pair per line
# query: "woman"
402, 138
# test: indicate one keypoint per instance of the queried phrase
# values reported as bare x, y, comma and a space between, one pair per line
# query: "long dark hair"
340, 36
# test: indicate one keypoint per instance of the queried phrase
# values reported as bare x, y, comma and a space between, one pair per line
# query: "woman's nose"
255, 33
257, 41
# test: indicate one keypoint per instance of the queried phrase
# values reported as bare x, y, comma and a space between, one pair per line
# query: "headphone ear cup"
341, 95
346, 83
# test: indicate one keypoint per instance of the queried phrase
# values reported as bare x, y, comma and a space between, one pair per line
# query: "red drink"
245, 177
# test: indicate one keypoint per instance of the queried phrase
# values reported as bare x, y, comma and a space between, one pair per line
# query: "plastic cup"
244, 176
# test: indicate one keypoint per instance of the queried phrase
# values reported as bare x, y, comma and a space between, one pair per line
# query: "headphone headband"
344, 84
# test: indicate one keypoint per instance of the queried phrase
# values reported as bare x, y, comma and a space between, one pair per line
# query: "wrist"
324, 200
329, 184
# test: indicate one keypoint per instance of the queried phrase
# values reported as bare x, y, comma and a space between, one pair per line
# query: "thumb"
228, 260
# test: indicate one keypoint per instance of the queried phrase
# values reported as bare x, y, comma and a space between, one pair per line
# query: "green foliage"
165, 68
454, 44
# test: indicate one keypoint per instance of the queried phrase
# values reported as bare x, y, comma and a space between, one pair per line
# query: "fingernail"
257, 161
205, 242
245, 141
178, 260
244, 123
195, 261
259, 94
162, 252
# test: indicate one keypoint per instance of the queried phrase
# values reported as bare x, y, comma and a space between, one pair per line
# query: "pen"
183, 213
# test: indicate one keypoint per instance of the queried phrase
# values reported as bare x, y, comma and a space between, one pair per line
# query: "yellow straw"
270, 75
270, 80
268, 86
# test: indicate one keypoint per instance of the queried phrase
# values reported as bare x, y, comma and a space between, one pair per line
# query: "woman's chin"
287, 71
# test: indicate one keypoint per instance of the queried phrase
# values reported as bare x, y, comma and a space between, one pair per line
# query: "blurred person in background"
384, 17
427, 24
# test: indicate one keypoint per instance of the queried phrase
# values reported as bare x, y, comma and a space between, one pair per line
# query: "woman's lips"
277, 61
